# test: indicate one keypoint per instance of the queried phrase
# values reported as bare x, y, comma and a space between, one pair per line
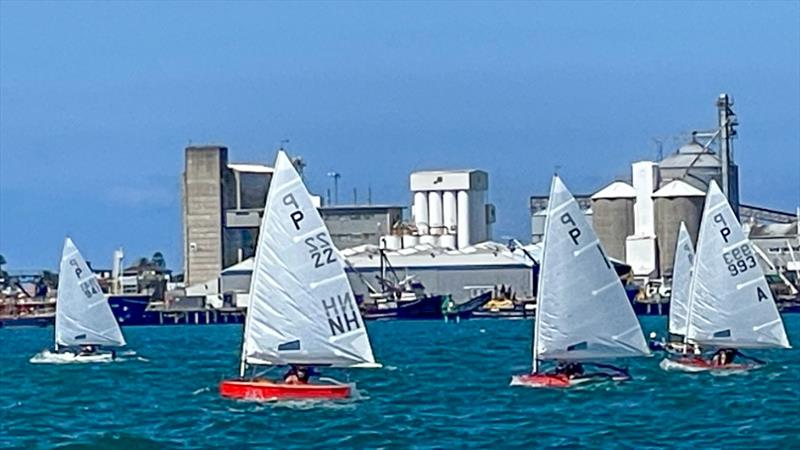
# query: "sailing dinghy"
302, 310
582, 311
84, 320
730, 303
679, 299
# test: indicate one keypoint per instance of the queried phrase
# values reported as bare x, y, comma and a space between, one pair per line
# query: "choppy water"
445, 385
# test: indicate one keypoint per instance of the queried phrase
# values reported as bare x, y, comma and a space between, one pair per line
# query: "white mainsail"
730, 303
681, 282
302, 309
83, 315
582, 310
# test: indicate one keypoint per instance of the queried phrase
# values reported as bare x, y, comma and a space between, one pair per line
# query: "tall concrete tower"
204, 182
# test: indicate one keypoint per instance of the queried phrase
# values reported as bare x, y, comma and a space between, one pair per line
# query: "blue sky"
98, 100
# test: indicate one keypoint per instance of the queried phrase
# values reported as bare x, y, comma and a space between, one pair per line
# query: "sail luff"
248, 318
681, 282
537, 318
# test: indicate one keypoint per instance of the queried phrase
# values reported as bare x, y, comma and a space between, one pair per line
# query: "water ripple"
443, 385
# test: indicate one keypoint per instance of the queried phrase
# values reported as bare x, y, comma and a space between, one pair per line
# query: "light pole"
335, 176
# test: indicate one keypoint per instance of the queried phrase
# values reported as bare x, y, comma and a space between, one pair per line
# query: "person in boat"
655, 344
723, 357
87, 350
297, 375
570, 370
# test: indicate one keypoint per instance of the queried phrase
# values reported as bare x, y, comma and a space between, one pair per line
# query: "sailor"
654, 343
87, 350
296, 375
571, 370
723, 357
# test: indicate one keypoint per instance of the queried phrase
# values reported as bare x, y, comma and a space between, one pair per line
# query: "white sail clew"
302, 309
681, 283
582, 310
83, 315
730, 303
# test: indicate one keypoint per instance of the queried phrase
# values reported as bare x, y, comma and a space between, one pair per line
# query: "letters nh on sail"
342, 317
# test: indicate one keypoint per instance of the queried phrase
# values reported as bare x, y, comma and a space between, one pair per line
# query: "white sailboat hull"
49, 357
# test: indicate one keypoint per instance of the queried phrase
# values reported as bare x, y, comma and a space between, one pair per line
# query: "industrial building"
352, 225
223, 204
446, 246
463, 273
450, 208
638, 221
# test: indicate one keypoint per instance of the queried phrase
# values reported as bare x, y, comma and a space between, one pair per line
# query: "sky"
99, 100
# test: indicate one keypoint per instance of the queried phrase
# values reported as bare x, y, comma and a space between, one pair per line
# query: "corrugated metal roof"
774, 230
617, 189
678, 188
424, 255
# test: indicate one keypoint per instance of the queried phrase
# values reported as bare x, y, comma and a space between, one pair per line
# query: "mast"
690, 302
248, 315
538, 316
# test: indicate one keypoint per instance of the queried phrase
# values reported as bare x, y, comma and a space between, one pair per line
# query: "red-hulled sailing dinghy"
302, 309
698, 364
582, 312
730, 304
268, 390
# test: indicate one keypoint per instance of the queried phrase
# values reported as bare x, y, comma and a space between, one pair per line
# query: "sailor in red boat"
723, 357
570, 370
297, 375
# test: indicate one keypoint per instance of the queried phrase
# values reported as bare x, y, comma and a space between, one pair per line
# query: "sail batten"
83, 315
582, 310
302, 310
731, 304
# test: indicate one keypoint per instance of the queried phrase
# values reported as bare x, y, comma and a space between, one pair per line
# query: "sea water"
443, 385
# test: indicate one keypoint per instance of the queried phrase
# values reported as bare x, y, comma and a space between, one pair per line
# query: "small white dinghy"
730, 303
84, 318
582, 312
677, 343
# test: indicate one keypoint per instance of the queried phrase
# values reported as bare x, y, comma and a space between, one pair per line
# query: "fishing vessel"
84, 323
302, 309
583, 315
730, 305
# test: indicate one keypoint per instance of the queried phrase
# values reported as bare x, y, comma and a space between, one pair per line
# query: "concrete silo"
613, 218
450, 208
676, 202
